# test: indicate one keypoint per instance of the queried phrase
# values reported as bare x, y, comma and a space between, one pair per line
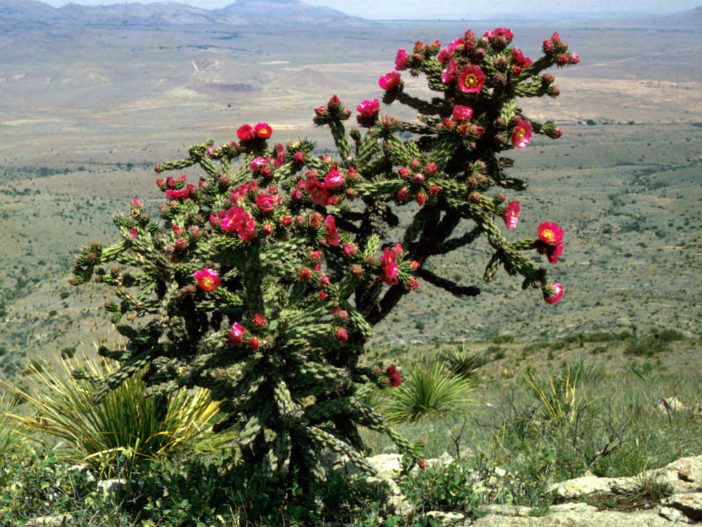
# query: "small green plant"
448, 488
431, 391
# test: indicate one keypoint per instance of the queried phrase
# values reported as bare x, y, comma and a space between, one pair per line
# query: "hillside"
85, 111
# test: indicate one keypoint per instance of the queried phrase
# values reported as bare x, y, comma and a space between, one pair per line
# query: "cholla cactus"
264, 278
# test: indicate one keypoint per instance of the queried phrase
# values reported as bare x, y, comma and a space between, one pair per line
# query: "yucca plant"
10, 437
427, 391
462, 362
125, 422
558, 395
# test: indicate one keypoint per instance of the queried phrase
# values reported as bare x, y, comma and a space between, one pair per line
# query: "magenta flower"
334, 179
341, 335
207, 279
471, 79
553, 252
388, 262
263, 130
236, 335
448, 74
462, 113
368, 108
259, 320
266, 203
389, 81
332, 236
133, 233
512, 214
394, 377
245, 133
401, 60
553, 293
550, 233
522, 134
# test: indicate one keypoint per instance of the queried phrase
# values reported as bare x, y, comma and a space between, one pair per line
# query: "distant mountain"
256, 11
29, 13
684, 20
156, 14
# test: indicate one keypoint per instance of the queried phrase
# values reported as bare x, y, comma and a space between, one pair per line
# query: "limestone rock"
690, 504
446, 518
388, 466
577, 515
56, 520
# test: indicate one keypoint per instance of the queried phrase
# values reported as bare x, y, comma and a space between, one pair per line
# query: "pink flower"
247, 230
412, 284
137, 203
245, 133
402, 194
133, 233
462, 113
341, 335
503, 32
550, 233
448, 74
323, 295
553, 252
520, 59
332, 236
522, 134
388, 262
236, 335
177, 194
389, 81
401, 60
368, 108
259, 321
334, 179
394, 377
254, 343
266, 203
350, 249
299, 157
258, 163
421, 198
236, 219
207, 279
305, 274
512, 214
553, 293
263, 130
471, 79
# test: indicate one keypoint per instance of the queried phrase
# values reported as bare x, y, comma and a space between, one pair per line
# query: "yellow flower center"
207, 282
471, 80
548, 235
521, 133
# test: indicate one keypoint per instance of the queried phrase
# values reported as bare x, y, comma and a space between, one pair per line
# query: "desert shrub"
263, 280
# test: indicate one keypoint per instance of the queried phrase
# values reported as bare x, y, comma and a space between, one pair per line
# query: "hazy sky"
457, 9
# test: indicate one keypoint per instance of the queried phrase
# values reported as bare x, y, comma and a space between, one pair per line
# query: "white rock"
446, 518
